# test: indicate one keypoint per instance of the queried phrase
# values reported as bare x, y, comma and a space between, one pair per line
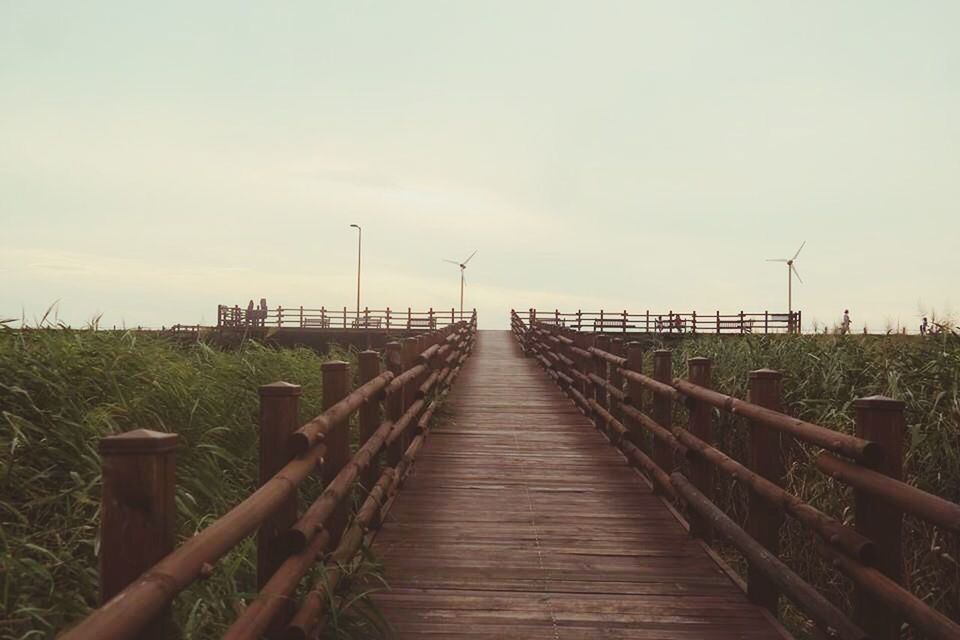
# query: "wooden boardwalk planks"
521, 521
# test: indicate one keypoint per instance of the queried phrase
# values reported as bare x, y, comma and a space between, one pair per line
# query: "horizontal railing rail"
142, 572
341, 318
604, 378
670, 322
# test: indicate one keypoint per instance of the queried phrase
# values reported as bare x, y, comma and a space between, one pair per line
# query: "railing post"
394, 403
279, 417
336, 386
600, 366
881, 420
766, 321
137, 511
616, 379
718, 320
344, 317
388, 320
693, 328
301, 316
743, 327
767, 460
409, 350
635, 392
701, 425
663, 408
369, 415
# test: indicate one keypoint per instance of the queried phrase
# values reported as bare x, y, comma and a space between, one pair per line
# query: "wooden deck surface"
522, 521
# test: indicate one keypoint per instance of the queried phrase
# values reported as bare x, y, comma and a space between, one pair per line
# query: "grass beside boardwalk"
823, 375
60, 392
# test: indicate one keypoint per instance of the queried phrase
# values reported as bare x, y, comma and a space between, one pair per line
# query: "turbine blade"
471, 256
451, 261
796, 273
777, 260
799, 250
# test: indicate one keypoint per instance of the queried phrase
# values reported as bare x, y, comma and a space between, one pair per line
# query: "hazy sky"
157, 158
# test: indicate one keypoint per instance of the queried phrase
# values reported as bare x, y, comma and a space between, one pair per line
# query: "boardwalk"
521, 521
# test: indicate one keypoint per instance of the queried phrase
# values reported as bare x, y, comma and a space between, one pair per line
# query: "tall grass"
60, 392
823, 375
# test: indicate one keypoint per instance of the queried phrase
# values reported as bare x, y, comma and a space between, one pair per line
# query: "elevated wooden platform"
521, 521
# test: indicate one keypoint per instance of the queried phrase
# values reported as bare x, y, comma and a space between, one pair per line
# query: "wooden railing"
343, 318
605, 378
667, 323
141, 572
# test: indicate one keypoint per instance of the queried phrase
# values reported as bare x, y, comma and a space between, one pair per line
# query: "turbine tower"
463, 268
791, 271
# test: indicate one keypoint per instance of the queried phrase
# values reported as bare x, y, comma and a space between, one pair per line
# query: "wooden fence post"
663, 408
279, 417
369, 415
394, 404
137, 511
616, 379
635, 393
881, 420
701, 425
600, 367
336, 386
766, 458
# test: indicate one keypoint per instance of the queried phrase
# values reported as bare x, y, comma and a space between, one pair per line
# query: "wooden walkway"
521, 521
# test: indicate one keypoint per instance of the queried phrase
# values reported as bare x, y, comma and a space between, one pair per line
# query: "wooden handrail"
591, 375
140, 604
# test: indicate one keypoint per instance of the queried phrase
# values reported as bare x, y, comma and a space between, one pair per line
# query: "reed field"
823, 375
60, 392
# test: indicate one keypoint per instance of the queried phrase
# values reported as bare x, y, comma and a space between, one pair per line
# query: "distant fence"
670, 322
343, 318
140, 571
604, 377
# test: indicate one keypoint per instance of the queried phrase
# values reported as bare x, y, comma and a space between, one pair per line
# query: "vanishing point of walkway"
521, 521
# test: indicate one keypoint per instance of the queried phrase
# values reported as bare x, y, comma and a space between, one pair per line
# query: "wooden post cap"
280, 389
698, 360
878, 403
138, 441
334, 365
765, 374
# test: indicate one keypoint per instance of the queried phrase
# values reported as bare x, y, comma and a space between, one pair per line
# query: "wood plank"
521, 521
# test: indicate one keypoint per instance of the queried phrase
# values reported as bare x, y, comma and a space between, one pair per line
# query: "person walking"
924, 327
845, 325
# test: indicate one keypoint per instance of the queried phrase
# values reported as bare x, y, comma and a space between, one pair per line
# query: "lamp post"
359, 241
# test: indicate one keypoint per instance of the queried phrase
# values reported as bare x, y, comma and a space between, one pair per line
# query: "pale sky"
158, 158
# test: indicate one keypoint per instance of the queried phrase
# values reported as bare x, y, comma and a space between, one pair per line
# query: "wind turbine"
791, 271
463, 267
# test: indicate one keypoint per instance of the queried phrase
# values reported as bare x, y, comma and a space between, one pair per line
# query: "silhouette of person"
845, 325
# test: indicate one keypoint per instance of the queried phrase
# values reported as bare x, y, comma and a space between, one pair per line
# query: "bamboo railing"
604, 377
668, 323
141, 572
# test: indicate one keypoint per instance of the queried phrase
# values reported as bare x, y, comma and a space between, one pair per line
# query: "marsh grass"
62, 390
823, 375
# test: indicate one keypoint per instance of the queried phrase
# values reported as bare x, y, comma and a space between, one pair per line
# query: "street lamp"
359, 240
